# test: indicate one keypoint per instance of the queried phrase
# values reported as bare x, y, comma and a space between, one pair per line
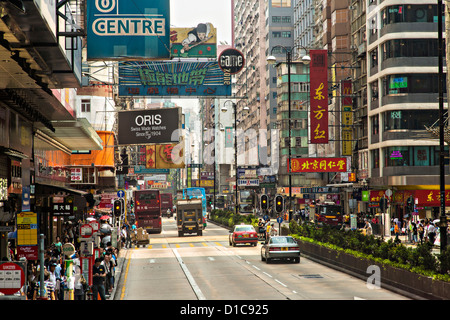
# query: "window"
276, 34
286, 34
375, 158
286, 19
375, 129
417, 156
276, 19
409, 13
281, 3
410, 48
409, 119
85, 105
411, 83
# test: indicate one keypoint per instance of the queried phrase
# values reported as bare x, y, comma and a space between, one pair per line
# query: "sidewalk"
120, 270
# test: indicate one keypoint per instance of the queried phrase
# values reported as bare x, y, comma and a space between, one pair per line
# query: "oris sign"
231, 61
149, 126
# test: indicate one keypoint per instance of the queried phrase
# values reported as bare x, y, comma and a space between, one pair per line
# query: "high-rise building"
402, 58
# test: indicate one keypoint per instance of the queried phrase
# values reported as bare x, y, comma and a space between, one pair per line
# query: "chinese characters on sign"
347, 117
172, 78
319, 96
319, 165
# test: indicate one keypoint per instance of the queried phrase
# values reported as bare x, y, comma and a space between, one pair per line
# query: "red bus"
166, 203
147, 210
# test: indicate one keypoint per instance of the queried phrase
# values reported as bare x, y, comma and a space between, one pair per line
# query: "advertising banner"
318, 165
172, 79
347, 118
27, 229
198, 42
319, 96
149, 126
121, 29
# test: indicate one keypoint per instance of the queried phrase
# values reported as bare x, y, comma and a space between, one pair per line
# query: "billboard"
124, 30
164, 156
318, 96
198, 42
319, 165
149, 126
172, 78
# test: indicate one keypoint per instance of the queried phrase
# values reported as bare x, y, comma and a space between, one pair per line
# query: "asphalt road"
207, 268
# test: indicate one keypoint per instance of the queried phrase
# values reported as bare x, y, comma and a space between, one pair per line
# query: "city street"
207, 268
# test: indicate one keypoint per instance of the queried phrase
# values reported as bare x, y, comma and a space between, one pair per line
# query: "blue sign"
173, 78
121, 193
124, 29
279, 219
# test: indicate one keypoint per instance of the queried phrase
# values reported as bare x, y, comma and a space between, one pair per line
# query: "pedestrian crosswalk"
176, 245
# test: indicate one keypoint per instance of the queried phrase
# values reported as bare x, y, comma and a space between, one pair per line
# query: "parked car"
243, 234
281, 247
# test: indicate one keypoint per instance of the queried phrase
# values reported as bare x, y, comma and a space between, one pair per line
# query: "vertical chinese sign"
347, 117
319, 96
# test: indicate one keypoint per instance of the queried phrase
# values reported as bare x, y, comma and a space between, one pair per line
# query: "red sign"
319, 96
86, 231
12, 278
431, 198
28, 252
318, 165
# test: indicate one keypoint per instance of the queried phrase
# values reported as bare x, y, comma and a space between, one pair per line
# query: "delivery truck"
189, 216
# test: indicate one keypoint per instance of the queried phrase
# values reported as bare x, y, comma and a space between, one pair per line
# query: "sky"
189, 13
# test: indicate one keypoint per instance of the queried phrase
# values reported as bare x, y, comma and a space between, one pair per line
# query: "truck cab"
189, 216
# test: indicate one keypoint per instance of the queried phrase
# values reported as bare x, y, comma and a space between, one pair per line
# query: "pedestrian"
49, 290
421, 231
273, 231
109, 269
396, 232
58, 245
431, 232
414, 232
123, 236
53, 278
98, 280
368, 228
79, 283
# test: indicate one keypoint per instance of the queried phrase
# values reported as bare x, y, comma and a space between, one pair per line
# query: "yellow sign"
27, 229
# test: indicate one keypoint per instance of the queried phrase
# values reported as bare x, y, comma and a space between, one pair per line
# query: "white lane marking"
211, 259
281, 283
189, 276
267, 274
152, 261
256, 267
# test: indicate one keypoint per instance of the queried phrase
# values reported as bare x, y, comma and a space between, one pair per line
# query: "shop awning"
71, 135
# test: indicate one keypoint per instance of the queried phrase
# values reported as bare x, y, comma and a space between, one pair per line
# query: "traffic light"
279, 204
264, 202
117, 208
410, 204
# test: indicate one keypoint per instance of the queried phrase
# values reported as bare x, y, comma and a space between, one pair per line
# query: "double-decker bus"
147, 210
246, 201
196, 193
328, 213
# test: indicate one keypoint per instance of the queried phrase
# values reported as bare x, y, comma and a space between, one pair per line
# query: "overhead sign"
231, 61
173, 79
319, 165
149, 126
165, 156
319, 96
198, 42
123, 29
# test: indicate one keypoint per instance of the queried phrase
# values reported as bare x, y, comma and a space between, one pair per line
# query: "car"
243, 234
280, 247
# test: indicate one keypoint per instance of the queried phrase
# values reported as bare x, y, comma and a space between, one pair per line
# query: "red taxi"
243, 234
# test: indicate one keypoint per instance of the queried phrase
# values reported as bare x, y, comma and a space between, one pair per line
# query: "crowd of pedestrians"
57, 284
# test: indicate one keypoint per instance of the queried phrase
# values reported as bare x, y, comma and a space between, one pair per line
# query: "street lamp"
306, 59
225, 109
221, 128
